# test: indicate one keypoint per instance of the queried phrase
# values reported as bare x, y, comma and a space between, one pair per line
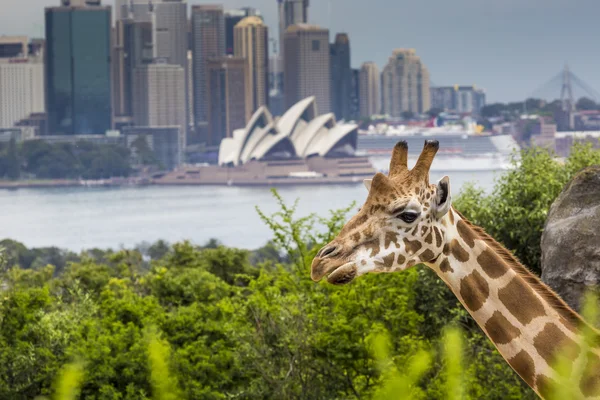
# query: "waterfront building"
459, 99
252, 44
307, 65
369, 89
405, 84
232, 18
166, 143
78, 68
21, 89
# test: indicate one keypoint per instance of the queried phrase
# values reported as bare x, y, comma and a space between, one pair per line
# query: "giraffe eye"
408, 216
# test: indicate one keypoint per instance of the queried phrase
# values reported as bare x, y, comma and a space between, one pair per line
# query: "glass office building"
78, 95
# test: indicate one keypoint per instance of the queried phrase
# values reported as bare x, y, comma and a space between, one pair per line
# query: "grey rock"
571, 238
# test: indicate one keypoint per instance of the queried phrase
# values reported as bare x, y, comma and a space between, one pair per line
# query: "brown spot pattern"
423, 230
474, 290
492, 264
357, 222
356, 237
500, 329
438, 236
545, 386
525, 367
451, 216
412, 246
429, 238
427, 255
391, 237
401, 259
458, 252
388, 261
373, 246
446, 249
467, 235
521, 301
551, 340
414, 232
445, 266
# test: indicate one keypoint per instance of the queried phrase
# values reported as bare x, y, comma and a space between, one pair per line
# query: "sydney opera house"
301, 146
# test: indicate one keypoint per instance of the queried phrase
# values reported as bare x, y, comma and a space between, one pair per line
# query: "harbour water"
83, 218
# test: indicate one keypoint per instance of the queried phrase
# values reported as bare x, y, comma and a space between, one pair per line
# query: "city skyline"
464, 32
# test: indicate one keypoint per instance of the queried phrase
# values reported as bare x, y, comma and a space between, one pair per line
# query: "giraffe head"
400, 224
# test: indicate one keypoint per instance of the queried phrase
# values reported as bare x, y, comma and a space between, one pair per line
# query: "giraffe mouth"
343, 275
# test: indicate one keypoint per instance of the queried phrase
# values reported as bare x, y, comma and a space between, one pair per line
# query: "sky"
511, 48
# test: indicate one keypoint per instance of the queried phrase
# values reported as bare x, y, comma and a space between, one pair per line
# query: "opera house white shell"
299, 133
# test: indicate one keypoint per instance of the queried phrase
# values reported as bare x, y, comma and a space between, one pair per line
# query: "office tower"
291, 12
159, 92
13, 46
369, 89
208, 37
252, 44
190, 91
341, 76
77, 69
133, 48
355, 94
232, 17
226, 78
306, 65
405, 84
21, 89
169, 20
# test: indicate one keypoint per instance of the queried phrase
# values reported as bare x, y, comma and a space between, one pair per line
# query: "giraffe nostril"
327, 251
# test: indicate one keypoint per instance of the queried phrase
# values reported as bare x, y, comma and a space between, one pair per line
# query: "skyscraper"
291, 12
252, 44
341, 76
276, 99
13, 46
355, 94
405, 84
21, 89
78, 71
307, 66
133, 48
169, 19
369, 89
232, 17
160, 96
208, 41
226, 89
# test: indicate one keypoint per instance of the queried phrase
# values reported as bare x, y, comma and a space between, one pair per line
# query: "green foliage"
210, 322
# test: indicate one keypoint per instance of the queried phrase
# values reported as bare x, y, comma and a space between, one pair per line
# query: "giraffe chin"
343, 275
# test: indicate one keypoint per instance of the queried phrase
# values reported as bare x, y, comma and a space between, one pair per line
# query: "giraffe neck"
525, 319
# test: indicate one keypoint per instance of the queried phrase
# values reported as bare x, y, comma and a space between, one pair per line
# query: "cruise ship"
461, 148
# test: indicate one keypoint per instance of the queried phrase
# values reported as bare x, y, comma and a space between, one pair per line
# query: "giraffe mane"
553, 299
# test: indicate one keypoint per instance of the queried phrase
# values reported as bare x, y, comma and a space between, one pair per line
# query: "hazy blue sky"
508, 47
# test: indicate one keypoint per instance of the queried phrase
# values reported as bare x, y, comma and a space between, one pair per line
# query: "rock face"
571, 238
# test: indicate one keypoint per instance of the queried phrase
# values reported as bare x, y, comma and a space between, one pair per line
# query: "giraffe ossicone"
406, 221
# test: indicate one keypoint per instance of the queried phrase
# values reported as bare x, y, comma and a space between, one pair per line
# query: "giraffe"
406, 221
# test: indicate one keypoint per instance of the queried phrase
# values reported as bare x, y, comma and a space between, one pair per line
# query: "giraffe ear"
443, 199
367, 183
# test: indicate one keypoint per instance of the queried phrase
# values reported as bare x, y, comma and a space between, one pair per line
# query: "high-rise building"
166, 142
405, 84
232, 18
78, 69
291, 12
13, 46
190, 91
341, 76
21, 89
355, 94
159, 92
208, 41
252, 44
169, 21
226, 78
307, 66
461, 99
369, 89
133, 48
